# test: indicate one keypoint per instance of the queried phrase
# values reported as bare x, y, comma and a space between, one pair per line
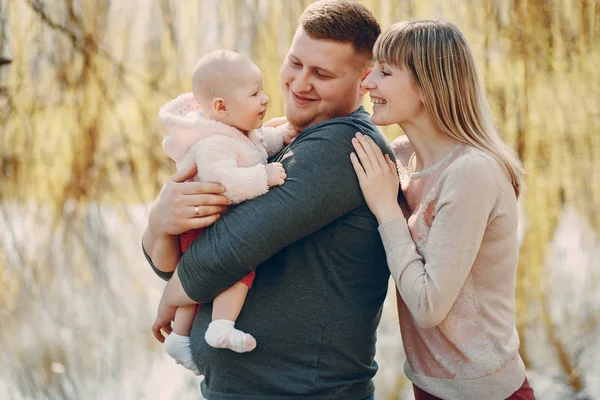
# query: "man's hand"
173, 296
182, 205
164, 316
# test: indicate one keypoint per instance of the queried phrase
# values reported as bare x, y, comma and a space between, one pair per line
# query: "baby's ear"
218, 106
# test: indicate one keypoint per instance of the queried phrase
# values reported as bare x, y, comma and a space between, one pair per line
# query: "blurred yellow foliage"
78, 103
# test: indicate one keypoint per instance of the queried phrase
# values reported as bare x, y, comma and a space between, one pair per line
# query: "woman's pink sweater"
455, 270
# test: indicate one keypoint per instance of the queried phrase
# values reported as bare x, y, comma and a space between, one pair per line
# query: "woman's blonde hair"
441, 63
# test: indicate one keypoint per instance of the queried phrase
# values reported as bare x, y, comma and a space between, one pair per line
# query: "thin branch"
83, 44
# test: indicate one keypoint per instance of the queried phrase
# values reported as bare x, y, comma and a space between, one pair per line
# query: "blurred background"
81, 82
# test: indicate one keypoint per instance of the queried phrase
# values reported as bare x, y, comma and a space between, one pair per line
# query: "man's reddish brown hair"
342, 21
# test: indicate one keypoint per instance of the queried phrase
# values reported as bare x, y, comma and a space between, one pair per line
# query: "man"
321, 273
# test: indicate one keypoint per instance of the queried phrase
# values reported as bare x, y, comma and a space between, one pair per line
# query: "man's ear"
218, 106
366, 73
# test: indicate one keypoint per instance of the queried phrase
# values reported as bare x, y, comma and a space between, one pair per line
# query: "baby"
216, 128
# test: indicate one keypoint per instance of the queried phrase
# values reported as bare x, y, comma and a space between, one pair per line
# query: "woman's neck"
430, 143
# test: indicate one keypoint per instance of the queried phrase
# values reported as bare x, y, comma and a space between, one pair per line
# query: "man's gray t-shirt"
321, 277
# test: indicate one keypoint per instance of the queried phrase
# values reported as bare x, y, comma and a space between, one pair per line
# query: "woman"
454, 257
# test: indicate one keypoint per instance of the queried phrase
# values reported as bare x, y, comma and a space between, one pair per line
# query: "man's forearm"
256, 230
174, 295
163, 249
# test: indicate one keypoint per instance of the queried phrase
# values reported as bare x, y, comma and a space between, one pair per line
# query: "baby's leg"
226, 308
177, 344
184, 317
229, 303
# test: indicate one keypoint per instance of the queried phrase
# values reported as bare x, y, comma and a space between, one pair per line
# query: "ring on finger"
196, 211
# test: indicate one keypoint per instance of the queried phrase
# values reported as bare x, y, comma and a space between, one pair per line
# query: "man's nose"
265, 99
302, 82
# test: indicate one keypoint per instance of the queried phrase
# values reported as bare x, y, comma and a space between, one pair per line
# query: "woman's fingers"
372, 150
360, 172
362, 155
375, 152
392, 165
369, 154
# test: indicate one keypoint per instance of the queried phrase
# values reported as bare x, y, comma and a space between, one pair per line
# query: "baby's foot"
178, 347
221, 334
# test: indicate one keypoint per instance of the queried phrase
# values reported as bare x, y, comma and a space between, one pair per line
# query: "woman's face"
394, 94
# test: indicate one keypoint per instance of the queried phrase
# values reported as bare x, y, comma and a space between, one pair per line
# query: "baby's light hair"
214, 74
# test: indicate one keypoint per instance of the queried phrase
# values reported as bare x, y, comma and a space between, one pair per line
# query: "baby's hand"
289, 134
275, 174
283, 128
275, 122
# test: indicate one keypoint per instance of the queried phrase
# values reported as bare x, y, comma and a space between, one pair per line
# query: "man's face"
320, 80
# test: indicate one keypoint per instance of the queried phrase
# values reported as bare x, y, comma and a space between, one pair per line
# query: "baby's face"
247, 104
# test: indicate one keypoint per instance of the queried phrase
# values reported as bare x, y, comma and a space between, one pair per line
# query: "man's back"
316, 303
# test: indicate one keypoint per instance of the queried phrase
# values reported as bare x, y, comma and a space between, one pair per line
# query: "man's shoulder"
342, 129
358, 121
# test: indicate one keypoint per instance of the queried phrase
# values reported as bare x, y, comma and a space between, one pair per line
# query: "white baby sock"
221, 334
178, 347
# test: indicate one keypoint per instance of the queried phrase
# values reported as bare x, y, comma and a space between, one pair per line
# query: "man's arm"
164, 252
321, 187
174, 212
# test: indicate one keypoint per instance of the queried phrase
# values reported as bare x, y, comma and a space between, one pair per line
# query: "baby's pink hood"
187, 125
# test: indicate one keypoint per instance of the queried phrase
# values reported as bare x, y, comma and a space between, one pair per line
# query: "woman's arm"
430, 287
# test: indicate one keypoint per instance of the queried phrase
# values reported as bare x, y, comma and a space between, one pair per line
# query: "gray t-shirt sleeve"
161, 274
321, 187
